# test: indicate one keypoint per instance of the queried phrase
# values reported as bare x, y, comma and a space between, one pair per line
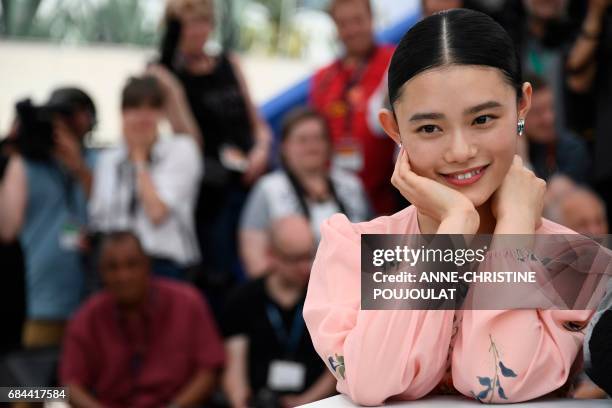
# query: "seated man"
149, 184
271, 359
143, 341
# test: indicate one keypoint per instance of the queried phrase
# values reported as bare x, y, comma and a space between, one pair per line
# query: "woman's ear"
525, 101
389, 124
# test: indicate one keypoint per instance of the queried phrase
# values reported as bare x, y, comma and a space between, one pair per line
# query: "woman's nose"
460, 148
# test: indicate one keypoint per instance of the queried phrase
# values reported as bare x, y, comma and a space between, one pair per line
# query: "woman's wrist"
138, 155
465, 221
515, 224
260, 149
263, 139
140, 166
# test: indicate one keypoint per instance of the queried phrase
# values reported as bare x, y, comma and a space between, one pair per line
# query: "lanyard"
302, 195
67, 184
354, 80
536, 63
289, 341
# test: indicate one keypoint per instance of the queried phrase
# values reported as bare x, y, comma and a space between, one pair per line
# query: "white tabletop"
341, 401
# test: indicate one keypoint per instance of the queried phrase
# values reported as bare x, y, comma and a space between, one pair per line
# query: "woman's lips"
465, 177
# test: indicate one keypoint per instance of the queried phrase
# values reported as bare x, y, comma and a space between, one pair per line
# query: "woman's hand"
434, 199
518, 202
257, 165
67, 147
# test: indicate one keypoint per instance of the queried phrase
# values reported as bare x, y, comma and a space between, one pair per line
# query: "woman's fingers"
402, 166
404, 160
396, 171
407, 160
518, 160
400, 174
404, 179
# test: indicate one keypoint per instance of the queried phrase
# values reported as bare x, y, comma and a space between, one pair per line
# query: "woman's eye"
483, 120
428, 129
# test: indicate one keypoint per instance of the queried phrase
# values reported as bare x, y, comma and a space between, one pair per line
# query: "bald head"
291, 234
558, 187
291, 249
584, 212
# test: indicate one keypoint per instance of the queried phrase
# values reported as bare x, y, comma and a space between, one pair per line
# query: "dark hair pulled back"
454, 37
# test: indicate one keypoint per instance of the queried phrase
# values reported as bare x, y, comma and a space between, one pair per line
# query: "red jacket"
343, 96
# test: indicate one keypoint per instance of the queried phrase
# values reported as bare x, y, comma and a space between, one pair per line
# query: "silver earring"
520, 127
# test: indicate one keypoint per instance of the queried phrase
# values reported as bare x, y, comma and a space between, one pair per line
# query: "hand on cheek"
518, 202
430, 197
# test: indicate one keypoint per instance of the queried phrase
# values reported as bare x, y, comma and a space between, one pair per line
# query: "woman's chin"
478, 198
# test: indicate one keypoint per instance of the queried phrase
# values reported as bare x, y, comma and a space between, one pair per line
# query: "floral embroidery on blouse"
446, 387
337, 364
492, 384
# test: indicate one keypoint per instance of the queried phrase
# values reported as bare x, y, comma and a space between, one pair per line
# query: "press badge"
70, 236
348, 155
286, 375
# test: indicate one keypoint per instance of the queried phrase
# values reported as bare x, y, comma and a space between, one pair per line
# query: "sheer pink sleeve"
505, 356
373, 354
509, 356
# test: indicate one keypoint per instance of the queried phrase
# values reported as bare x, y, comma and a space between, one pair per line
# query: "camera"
34, 137
35, 123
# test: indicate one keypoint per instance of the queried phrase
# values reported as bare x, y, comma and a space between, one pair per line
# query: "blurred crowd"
171, 270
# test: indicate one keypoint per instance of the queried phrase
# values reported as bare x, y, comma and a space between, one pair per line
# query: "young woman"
458, 108
305, 185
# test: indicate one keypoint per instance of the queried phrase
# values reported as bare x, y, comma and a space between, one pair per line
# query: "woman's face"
458, 125
140, 125
306, 146
195, 31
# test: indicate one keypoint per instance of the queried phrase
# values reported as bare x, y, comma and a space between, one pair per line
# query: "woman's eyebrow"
481, 107
426, 116
469, 111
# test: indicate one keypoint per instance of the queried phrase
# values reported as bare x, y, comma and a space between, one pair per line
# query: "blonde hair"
178, 8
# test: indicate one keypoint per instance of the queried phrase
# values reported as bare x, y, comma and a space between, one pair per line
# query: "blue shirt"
55, 209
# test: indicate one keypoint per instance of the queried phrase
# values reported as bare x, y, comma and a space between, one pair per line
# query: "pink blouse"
498, 356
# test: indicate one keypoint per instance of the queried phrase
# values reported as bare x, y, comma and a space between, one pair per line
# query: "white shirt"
176, 169
274, 197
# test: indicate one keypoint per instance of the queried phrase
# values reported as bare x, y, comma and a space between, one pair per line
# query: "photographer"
44, 205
